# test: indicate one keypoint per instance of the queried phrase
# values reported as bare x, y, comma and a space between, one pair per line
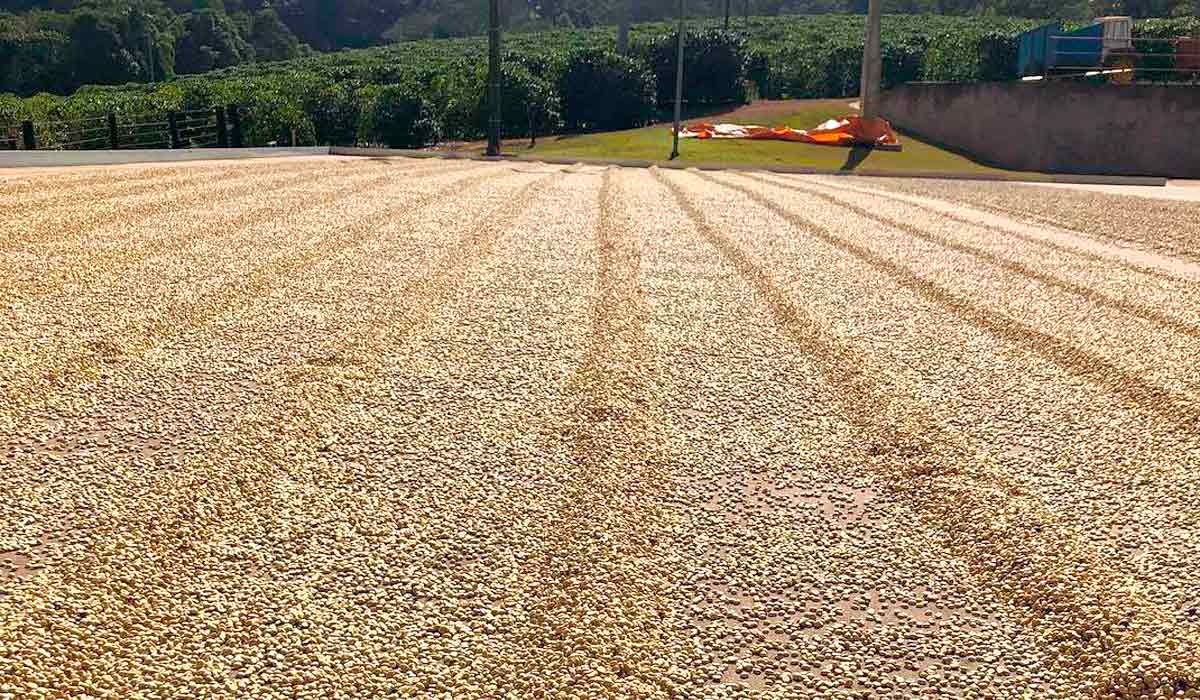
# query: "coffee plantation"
421, 92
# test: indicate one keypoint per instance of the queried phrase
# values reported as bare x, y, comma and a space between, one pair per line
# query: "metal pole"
623, 26
872, 65
493, 147
623, 20
235, 126
28, 137
114, 138
727, 14
678, 84
222, 129
173, 128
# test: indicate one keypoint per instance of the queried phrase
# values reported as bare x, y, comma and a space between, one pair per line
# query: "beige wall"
1060, 126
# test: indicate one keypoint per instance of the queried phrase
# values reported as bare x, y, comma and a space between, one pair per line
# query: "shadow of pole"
855, 157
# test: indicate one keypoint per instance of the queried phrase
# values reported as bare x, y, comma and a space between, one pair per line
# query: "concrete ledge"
787, 169
51, 159
1057, 126
372, 152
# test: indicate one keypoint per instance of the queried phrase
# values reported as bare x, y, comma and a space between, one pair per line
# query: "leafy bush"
714, 66
455, 97
274, 116
1160, 58
758, 71
604, 91
529, 104
397, 116
1167, 28
335, 112
903, 57
10, 109
971, 55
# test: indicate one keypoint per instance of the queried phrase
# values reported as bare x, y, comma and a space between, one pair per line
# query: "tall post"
28, 136
222, 129
235, 126
114, 139
493, 147
173, 127
624, 10
727, 2
678, 84
872, 64
150, 58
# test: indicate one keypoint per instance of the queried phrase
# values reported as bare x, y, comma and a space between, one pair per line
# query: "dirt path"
422, 429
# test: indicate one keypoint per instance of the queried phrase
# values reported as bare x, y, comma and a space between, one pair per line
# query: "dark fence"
201, 128
1143, 60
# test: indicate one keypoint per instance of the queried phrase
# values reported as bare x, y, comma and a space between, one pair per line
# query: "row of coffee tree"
421, 92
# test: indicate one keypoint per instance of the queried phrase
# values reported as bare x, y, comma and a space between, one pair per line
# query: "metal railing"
1178, 60
220, 127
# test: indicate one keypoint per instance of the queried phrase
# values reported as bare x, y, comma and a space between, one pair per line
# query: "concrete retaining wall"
1059, 126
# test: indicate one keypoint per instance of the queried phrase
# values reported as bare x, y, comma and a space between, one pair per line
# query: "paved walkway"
1179, 190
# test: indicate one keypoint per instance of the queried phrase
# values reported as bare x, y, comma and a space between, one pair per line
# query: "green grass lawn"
654, 143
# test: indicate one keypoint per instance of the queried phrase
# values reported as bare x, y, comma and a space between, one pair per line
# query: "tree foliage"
59, 45
412, 93
397, 116
211, 40
106, 42
714, 65
603, 91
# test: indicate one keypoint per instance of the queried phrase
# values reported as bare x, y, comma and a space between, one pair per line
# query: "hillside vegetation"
58, 46
418, 92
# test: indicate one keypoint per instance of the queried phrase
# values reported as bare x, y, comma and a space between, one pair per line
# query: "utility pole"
727, 2
493, 147
678, 84
872, 64
149, 52
624, 10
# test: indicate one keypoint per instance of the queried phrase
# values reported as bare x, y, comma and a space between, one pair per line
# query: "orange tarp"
847, 131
